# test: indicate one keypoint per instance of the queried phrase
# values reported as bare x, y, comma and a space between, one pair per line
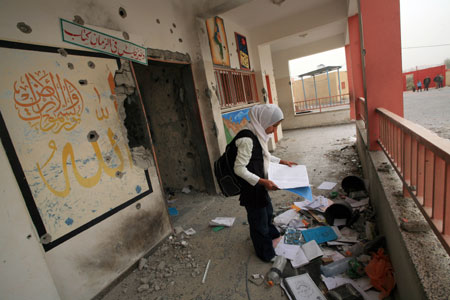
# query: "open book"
302, 287
306, 253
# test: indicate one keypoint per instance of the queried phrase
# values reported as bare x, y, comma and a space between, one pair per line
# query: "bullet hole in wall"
91, 64
126, 35
119, 174
29, 236
157, 21
70, 66
108, 159
62, 51
78, 20
82, 82
138, 206
174, 25
122, 12
24, 27
180, 40
92, 136
171, 31
46, 238
190, 155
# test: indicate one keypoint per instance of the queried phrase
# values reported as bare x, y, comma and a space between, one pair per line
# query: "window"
235, 87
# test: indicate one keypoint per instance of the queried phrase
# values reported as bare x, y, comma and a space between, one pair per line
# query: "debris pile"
331, 246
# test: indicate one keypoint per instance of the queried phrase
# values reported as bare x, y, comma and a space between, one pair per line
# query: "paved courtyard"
431, 109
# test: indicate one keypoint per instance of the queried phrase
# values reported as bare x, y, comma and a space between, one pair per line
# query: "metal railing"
319, 104
422, 160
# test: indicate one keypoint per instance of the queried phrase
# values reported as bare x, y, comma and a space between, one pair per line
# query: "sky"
425, 24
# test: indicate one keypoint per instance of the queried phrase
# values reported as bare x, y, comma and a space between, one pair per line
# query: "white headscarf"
261, 117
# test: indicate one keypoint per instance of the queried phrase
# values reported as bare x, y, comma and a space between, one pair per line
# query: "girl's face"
272, 128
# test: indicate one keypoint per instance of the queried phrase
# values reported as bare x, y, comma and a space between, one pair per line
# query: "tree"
447, 63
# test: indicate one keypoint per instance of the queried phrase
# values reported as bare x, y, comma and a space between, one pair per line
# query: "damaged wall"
84, 264
170, 102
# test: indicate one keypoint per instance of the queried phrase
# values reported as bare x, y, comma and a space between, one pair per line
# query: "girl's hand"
268, 184
288, 163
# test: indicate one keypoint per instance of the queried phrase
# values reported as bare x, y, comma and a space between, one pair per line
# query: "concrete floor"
329, 155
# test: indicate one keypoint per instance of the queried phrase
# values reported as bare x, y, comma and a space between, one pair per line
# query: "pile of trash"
329, 247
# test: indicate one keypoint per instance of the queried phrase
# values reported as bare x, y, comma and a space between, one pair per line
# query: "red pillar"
383, 61
355, 58
348, 60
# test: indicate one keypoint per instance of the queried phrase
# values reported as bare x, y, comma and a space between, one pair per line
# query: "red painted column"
348, 60
355, 58
383, 61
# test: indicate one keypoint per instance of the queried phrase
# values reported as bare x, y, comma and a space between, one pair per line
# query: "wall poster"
61, 131
242, 49
234, 121
218, 41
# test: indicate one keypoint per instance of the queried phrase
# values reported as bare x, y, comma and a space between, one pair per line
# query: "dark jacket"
252, 196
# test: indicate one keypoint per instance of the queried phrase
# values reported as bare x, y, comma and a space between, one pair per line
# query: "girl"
251, 165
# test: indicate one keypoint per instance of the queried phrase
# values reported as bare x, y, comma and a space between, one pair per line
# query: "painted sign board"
92, 39
64, 139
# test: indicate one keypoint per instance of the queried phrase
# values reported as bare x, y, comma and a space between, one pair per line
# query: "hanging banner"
101, 42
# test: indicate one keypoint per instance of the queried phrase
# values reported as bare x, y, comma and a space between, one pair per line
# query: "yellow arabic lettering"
85, 182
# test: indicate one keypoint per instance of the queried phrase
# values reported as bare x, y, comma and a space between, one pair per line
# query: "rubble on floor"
346, 251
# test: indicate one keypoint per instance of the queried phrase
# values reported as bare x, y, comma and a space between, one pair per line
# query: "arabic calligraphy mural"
67, 136
48, 102
92, 39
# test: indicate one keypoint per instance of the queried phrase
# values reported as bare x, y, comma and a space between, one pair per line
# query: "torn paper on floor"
222, 221
286, 217
326, 185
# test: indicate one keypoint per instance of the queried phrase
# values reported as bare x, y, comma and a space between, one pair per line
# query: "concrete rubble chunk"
415, 226
143, 287
142, 264
145, 280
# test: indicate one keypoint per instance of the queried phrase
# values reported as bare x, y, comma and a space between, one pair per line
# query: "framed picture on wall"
242, 50
218, 41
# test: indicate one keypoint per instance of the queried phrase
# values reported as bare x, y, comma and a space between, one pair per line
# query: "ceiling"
261, 15
257, 13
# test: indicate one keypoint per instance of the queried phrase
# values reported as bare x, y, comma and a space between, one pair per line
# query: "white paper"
304, 288
286, 250
190, 231
319, 203
288, 177
222, 221
312, 250
286, 217
300, 259
326, 185
334, 255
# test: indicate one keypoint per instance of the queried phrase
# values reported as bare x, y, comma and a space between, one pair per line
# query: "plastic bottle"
274, 275
336, 267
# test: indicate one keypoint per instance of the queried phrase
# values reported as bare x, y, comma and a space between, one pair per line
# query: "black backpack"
223, 169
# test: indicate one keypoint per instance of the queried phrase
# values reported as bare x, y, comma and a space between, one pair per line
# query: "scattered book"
302, 287
306, 253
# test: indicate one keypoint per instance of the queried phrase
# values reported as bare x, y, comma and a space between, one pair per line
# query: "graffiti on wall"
65, 130
235, 121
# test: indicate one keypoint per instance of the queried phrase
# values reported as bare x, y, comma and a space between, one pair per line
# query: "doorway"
170, 103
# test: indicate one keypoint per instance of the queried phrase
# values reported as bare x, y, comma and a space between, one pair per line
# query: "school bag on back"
223, 169
230, 184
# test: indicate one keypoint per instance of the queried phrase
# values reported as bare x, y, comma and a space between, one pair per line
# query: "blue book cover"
320, 234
